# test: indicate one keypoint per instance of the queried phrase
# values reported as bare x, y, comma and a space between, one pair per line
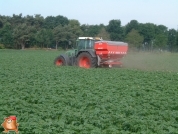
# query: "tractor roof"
85, 38
91, 38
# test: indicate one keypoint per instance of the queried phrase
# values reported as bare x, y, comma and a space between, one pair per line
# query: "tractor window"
85, 44
89, 44
92, 43
81, 44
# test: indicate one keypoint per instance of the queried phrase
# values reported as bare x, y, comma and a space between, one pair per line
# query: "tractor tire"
85, 60
60, 61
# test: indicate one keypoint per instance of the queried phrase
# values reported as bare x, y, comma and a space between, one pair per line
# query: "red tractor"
91, 52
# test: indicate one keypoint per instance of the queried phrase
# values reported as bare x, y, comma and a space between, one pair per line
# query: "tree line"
35, 31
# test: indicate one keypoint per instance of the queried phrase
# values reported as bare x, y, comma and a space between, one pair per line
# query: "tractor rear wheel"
60, 61
85, 60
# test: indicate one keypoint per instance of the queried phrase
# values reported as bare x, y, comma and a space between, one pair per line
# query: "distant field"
164, 61
140, 98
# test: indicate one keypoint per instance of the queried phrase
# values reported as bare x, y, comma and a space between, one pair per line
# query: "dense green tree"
147, 30
114, 26
75, 30
6, 19
35, 30
91, 30
51, 22
62, 20
38, 21
115, 37
161, 37
42, 37
51, 40
61, 34
29, 20
104, 34
1, 24
22, 34
177, 40
133, 24
134, 39
115, 30
6, 37
16, 20
67, 34
160, 41
161, 29
84, 29
172, 39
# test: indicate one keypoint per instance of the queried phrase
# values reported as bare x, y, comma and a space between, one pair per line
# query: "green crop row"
71, 100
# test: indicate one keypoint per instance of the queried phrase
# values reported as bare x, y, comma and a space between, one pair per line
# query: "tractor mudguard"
66, 58
90, 51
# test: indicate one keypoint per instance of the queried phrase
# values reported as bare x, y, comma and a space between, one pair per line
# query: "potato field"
139, 98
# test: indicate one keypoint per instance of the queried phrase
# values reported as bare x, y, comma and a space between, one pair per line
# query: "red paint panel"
111, 49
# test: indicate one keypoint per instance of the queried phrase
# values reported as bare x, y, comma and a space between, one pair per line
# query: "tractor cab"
86, 43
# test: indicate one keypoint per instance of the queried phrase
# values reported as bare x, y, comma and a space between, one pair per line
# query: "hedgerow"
71, 100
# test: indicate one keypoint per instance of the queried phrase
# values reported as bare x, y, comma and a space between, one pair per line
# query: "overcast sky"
90, 12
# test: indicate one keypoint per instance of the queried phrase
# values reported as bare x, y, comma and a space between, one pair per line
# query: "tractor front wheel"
60, 61
85, 60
